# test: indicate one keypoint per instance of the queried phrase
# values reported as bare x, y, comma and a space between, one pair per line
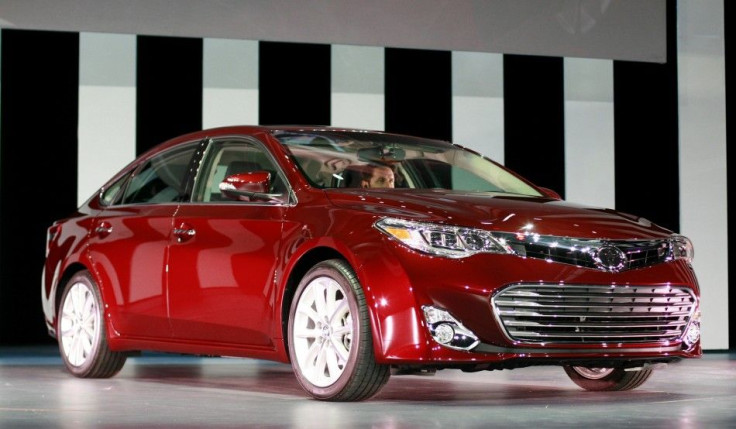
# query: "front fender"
397, 328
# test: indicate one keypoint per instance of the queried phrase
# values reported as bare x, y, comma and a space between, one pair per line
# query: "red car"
349, 253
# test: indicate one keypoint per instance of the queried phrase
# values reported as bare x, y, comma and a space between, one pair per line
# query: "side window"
110, 194
225, 158
161, 179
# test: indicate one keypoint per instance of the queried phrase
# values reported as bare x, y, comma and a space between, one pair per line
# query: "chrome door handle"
184, 232
103, 229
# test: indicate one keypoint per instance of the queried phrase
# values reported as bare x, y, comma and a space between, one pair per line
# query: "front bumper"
399, 285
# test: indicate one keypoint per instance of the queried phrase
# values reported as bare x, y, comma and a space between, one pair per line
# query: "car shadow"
278, 379
261, 378
453, 392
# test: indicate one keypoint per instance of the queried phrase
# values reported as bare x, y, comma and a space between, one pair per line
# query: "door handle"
103, 229
184, 232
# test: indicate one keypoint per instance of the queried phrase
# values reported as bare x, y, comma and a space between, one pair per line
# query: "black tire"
607, 379
81, 333
358, 376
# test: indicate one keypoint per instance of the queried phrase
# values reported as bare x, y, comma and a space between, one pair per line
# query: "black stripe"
294, 83
646, 135
38, 174
418, 92
169, 89
534, 119
730, 46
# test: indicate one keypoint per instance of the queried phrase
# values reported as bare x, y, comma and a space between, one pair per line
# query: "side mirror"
247, 186
550, 193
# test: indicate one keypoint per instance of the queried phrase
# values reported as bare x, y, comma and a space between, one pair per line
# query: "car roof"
255, 130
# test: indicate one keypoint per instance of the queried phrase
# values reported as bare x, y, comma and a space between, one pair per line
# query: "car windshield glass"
331, 159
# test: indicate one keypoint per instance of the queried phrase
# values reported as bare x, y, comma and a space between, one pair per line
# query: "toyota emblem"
610, 258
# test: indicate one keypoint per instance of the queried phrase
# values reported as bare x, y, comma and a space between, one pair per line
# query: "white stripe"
702, 157
230, 80
358, 95
589, 132
477, 103
107, 109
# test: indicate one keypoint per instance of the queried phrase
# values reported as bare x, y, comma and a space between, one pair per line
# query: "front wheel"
607, 379
330, 342
80, 331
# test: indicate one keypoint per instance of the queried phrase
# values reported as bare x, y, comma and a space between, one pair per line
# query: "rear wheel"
81, 332
607, 379
330, 342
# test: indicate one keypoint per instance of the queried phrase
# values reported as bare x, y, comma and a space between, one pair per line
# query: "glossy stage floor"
176, 391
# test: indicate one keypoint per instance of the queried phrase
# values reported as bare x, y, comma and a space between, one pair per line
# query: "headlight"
442, 240
682, 248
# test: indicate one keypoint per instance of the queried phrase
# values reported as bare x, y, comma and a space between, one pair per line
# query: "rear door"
130, 239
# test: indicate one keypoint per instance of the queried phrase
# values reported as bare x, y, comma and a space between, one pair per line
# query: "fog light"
443, 333
692, 335
447, 330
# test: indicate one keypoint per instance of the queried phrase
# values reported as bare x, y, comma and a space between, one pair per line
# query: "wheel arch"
69, 272
381, 277
296, 273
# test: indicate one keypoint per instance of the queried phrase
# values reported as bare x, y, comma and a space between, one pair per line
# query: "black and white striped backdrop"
76, 107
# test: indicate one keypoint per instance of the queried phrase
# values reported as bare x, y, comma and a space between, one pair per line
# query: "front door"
224, 253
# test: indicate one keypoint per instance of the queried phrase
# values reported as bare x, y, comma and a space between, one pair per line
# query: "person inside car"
377, 176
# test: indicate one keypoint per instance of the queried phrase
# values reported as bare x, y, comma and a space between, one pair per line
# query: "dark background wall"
730, 39
38, 163
169, 89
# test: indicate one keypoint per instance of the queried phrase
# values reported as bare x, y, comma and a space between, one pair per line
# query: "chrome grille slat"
556, 294
580, 303
573, 304
597, 336
589, 314
622, 290
594, 325
593, 315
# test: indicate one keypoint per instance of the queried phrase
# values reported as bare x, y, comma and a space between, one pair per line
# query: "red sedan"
349, 252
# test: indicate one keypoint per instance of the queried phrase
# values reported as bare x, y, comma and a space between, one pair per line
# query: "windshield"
331, 159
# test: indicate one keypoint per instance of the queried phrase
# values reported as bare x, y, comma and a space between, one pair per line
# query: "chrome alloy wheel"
323, 331
593, 373
79, 324
607, 379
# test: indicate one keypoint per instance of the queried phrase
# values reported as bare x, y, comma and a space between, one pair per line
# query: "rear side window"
162, 179
110, 194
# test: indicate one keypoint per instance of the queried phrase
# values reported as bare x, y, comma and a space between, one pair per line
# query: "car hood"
499, 212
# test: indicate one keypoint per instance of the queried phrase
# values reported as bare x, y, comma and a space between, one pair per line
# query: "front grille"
581, 252
644, 253
591, 314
